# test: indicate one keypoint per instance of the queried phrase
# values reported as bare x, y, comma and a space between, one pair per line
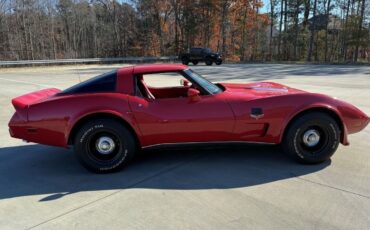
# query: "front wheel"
312, 138
104, 145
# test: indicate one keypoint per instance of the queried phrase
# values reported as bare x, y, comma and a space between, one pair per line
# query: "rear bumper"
17, 126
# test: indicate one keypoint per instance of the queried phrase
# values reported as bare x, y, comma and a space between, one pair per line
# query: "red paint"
46, 118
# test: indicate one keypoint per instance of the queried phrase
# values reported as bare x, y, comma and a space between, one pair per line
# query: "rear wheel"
208, 61
312, 138
104, 146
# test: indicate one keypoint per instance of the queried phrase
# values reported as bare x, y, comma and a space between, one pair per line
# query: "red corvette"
110, 117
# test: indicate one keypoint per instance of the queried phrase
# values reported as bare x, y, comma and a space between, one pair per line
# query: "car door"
176, 120
196, 53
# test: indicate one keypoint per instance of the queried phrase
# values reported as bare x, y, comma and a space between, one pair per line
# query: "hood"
260, 89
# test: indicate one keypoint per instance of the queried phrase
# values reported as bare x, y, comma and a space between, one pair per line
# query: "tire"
185, 61
208, 61
195, 62
312, 138
218, 62
102, 159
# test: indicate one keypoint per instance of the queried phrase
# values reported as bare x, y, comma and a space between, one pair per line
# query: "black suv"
200, 54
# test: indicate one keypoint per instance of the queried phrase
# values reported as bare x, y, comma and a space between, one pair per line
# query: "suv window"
207, 50
195, 50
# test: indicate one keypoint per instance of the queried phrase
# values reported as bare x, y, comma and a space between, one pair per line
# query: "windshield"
204, 83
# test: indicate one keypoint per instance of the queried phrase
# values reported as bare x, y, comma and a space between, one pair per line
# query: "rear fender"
127, 119
22, 103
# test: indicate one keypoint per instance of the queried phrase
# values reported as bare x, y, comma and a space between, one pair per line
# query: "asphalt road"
236, 187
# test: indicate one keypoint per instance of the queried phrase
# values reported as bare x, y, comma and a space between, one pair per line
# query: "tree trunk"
280, 28
307, 6
285, 29
359, 30
243, 37
312, 32
175, 9
272, 3
224, 16
345, 33
326, 31
296, 28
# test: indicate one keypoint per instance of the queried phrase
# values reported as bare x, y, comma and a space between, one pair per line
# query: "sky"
266, 5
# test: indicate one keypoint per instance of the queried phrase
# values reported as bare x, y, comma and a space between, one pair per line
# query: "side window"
102, 83
196, 51
163, 80
206, 51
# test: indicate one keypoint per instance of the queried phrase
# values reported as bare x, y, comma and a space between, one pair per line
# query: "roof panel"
155, 68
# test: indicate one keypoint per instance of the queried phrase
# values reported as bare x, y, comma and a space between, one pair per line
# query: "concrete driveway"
225, 187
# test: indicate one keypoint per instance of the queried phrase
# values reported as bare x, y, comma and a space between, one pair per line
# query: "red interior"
169, 92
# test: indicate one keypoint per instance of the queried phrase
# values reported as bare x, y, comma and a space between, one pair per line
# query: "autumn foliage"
239, 29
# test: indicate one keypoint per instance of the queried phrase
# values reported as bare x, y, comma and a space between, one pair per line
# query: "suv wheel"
208, 61
185, 60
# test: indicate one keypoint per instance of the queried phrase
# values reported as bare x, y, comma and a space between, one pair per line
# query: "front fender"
317, 106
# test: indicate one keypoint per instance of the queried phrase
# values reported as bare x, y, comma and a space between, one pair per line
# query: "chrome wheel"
311, 138
105, 145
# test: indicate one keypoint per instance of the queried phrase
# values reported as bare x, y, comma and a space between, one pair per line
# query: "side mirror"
184, 82
193, 94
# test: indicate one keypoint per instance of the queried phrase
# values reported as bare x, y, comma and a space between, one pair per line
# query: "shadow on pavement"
37, 170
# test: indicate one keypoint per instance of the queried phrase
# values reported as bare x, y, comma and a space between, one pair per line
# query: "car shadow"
55, 172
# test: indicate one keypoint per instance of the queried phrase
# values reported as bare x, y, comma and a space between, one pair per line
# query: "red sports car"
110, 117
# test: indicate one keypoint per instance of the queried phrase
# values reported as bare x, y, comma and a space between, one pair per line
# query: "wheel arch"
322, 109
101, 115
185, 56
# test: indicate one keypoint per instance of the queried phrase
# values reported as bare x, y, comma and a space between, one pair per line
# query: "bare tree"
312, 31
359, 29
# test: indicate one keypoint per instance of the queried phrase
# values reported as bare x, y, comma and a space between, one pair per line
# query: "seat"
143, 88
